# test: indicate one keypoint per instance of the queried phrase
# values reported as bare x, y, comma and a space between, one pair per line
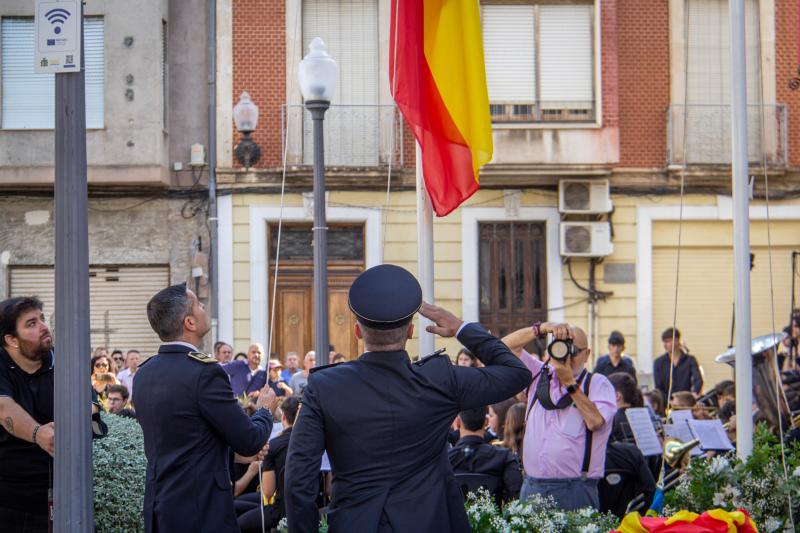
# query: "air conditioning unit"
586, 239
583, 197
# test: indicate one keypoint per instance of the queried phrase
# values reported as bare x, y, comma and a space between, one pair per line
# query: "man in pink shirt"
568, 420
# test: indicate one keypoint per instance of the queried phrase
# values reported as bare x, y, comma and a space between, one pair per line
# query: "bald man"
568, 420
247, 377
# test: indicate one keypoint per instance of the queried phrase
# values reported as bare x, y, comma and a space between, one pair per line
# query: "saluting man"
190, 418
384, 421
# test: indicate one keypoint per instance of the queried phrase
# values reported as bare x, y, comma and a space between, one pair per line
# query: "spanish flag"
714, 521
438, 81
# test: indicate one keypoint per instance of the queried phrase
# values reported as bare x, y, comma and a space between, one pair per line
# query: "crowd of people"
563, 434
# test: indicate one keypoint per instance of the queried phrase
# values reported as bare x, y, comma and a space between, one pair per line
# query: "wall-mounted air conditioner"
583, 196
586, 239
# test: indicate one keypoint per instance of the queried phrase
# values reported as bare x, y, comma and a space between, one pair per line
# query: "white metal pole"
424, 255
741, 232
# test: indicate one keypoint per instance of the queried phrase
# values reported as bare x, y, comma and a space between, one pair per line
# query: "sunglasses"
101, 365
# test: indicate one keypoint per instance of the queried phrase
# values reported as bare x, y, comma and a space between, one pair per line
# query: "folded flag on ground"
714, 521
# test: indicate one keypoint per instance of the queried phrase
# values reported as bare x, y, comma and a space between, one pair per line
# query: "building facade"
628, 92
146, 73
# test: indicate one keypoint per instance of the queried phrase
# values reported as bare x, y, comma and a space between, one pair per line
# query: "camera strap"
542, 395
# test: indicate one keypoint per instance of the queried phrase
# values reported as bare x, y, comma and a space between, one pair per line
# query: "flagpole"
424, 254
741, 231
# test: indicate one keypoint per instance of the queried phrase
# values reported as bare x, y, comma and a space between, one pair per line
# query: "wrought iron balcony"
699, 134
355, 135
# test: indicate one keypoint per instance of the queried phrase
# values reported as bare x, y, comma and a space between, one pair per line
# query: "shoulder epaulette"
202, 357
435, 355
323, 367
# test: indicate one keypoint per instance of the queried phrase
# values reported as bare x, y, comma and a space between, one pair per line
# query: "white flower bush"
537, 514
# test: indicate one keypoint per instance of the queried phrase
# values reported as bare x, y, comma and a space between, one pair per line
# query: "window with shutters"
28, 100
539, 61
708, 91
352, 124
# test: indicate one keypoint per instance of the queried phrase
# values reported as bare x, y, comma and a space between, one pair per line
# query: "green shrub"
119, 472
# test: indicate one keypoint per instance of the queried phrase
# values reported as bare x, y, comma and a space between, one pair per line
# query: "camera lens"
558, 350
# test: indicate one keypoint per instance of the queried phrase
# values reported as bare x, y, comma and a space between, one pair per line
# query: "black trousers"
14, 521
250, 522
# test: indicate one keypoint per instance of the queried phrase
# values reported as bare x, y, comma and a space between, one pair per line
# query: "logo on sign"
57, 18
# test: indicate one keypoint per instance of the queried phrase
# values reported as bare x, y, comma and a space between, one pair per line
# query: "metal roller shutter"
118, 299
565, 56
28, 98
705, 300
509, 49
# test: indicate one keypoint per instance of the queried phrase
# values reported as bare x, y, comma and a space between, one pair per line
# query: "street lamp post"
318, 74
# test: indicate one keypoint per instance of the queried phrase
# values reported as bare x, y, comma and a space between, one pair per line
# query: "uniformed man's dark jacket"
190, 417
384, 424
472, 455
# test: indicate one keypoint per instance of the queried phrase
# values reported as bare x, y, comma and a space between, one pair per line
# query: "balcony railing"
541, 112
707, 131
355, 135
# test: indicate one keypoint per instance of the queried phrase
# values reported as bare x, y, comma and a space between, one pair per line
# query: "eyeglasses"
113, 399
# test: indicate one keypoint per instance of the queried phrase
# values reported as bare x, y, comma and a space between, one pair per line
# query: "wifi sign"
57, 17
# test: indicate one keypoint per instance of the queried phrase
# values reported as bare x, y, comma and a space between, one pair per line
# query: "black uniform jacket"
384, 423
190, 417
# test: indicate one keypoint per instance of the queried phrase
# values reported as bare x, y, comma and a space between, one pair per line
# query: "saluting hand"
447, 323
267, 399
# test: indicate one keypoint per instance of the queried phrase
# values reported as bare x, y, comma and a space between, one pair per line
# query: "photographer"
569, 414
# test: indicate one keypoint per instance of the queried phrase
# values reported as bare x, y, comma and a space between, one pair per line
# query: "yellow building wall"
617, 312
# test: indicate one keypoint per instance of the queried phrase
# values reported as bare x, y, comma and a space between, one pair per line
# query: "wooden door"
294, 303
513, 275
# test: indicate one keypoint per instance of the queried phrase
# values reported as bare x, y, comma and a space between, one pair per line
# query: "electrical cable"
392, 132
680, 226
780, 394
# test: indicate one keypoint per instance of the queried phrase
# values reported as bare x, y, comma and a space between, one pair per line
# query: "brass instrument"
676, 453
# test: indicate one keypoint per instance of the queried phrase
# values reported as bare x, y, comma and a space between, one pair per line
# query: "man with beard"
26, 415
191, 420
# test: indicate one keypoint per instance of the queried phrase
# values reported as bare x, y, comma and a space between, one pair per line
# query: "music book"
711, 434
683, 434
679, 416
644, 432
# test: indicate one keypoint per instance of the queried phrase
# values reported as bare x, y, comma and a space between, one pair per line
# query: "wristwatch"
572, 388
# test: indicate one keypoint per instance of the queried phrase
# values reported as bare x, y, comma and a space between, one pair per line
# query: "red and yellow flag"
438, 81
714, 521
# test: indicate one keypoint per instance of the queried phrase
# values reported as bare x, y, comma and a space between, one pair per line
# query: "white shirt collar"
188, 345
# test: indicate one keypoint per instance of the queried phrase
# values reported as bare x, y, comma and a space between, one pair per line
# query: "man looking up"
190, 418
384, 420
223, 352
569, 417
247, 377
300, 379
26, 415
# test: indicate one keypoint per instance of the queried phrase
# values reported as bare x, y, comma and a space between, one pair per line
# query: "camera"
561, 349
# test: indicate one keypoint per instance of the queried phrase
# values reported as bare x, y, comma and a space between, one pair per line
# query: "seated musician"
472, 455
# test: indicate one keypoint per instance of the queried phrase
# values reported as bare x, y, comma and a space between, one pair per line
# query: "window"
539, 62
28, 100
513, 275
